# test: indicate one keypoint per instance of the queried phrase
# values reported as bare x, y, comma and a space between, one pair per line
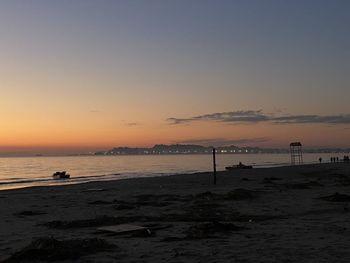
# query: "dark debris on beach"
337, 197
51, 249
29, 213
202, 207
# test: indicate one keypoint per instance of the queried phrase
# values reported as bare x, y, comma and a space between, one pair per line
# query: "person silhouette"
320, 159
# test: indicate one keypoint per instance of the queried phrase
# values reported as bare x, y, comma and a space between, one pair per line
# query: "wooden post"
214, 165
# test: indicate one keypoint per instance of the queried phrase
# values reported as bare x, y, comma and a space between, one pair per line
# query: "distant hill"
183, 149
198, 149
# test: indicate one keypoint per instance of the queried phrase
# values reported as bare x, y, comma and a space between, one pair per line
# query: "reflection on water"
30, 171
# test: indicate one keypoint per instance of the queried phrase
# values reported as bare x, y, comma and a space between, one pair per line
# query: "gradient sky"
88, 75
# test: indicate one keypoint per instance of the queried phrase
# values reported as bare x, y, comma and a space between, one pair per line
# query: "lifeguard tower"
296, 153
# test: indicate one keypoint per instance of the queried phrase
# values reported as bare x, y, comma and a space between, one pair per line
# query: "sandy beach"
284, 214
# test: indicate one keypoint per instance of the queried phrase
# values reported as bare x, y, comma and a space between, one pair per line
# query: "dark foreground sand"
286, 214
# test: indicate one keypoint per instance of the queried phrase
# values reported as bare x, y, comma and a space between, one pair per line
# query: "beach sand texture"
283, 214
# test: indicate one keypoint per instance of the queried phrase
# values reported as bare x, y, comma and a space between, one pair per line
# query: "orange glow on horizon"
80, 139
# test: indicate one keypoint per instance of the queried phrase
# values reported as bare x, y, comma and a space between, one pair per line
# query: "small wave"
93, 176
270, 164
25, 181
15, 181
14, 178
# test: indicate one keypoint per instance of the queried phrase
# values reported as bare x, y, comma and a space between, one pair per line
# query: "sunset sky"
80, 76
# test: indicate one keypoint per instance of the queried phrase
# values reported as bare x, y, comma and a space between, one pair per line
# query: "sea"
21, 172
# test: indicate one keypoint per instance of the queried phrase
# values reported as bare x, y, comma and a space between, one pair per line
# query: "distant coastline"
176, 149
163, 149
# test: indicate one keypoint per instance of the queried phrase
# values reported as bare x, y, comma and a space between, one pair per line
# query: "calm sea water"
35, 171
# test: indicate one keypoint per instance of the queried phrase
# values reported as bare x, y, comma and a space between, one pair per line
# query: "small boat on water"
61, 175
238, 166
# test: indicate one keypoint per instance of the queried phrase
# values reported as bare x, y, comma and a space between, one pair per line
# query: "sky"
79, 76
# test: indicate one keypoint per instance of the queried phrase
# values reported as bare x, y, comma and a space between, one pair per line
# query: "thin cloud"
232, 116
278, 110
331, 119
130, 124
257, 116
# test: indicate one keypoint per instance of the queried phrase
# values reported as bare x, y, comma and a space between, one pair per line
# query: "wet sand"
284, 214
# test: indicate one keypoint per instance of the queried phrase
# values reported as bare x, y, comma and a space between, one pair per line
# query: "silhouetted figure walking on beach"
320, 159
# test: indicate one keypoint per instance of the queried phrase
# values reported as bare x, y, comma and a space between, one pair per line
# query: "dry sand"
285, 214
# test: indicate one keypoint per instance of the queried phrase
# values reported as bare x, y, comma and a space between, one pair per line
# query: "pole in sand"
214, 165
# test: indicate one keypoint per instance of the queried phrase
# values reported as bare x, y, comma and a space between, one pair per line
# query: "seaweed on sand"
237, 194
270, 180
51, 249
207, 196
212, 229
100, 202
29, 213
306, 185
202, 212
93, 222
209, 229
124, 205
336, 198
163, 197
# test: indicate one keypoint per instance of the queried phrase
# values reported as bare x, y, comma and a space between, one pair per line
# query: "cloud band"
252, 116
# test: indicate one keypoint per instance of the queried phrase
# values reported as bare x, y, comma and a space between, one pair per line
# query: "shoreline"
53, 183
268, 214
38, 171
